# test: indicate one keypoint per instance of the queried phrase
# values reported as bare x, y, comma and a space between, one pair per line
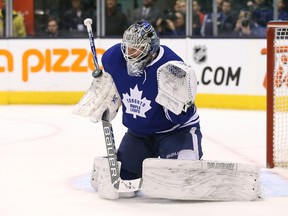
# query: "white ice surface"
46, 155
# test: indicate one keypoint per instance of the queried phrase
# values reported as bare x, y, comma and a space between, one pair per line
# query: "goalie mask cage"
277, 94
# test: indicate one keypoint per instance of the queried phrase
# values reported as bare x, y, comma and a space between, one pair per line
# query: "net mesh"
280, 91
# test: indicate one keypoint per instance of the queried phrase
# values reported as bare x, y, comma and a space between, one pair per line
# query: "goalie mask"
140, 42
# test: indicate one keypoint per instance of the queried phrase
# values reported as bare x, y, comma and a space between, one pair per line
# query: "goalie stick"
119, 184
88, 23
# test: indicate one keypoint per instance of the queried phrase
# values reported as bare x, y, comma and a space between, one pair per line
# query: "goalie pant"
184, 143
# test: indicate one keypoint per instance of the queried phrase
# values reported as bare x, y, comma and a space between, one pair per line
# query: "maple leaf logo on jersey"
135, 104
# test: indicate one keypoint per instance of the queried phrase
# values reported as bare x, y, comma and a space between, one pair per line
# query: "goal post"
277, 94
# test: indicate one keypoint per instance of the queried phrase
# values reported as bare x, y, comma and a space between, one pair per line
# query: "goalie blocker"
101, 97
186, 180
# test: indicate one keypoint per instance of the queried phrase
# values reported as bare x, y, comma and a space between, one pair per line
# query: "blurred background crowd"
171, 18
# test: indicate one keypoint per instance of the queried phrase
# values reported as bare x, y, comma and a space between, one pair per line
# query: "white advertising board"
223, 66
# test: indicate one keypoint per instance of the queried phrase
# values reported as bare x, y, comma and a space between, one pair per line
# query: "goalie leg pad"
101, 180
200, 180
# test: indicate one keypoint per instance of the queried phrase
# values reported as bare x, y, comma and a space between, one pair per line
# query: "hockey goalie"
160, 153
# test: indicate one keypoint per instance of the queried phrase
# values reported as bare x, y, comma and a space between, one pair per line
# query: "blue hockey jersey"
141, 114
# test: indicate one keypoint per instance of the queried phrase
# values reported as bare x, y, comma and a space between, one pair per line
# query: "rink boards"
231, 73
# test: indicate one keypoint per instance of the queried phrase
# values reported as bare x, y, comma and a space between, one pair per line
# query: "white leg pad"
101, 180
200, 180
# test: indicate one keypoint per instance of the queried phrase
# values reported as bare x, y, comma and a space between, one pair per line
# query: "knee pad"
188, 154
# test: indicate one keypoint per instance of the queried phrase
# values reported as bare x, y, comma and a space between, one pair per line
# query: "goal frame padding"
269, 96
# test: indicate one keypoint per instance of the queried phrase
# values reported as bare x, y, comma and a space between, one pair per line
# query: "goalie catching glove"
101, 97
177, 85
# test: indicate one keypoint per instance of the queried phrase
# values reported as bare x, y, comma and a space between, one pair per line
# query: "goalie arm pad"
177, 86
102, 96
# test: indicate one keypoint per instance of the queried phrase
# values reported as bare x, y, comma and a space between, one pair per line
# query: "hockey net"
277, 94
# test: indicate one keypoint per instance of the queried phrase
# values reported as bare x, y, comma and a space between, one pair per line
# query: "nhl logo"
199, 54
